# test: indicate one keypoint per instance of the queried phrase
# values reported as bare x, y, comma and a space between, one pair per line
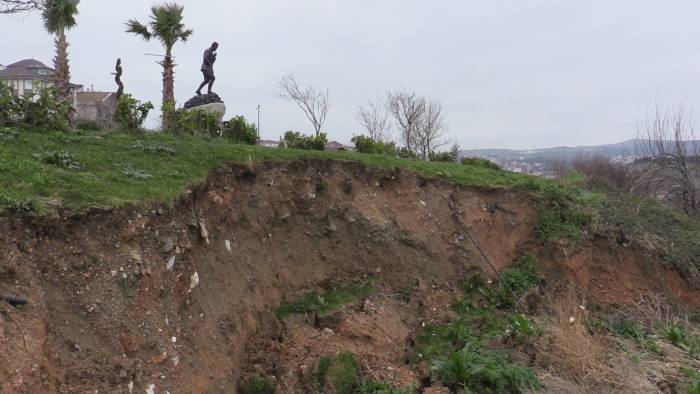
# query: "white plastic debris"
228, 245
151, 389
572, 320
194, 281
174, 339
171, 263
131, 387
203, 231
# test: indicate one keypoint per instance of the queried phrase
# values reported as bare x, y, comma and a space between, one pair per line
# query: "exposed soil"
105, 313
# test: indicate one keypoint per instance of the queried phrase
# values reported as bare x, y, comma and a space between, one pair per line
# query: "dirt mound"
182, 298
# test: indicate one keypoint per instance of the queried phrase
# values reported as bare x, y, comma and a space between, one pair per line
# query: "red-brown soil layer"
105, 314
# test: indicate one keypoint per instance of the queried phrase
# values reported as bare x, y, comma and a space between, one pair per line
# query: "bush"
365, 144
479, 162
131, 113
446, 157
406, 153
603, 174
190, 121
9, 107
240, 131
38, 111
293, 139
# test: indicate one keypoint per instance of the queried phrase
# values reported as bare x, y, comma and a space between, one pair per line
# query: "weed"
484, 372
131, 172
516, 281
630, 329
62, 159
8, 134
555, 222
680, 337
326, 302
341, 372
375, 387
257, 385
154, 149
17, 206
322, 186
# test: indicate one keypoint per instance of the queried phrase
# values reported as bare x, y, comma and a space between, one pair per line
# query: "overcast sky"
510, 74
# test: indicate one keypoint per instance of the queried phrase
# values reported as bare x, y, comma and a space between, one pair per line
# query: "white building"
28, 77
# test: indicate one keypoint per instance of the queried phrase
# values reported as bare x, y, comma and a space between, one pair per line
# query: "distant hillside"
561, 153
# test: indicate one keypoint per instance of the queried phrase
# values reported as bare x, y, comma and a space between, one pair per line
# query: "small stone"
136, 255
194, 281
203, 231
331, 227
151, 389
171, 263
327, 331
169, 245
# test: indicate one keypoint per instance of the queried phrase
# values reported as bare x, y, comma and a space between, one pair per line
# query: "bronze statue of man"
208, 67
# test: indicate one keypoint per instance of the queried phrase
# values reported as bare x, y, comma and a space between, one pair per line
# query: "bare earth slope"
105, 314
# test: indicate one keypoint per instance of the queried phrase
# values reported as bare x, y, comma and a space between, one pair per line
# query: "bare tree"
375, 119
667, 142
313, 101
431, 130
406, 108
16, 6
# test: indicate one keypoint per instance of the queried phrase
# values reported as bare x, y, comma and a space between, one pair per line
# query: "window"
28, 84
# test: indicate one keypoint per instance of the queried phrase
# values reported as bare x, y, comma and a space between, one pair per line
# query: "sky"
518, 74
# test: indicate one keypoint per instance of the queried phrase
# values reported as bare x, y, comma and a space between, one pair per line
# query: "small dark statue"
208, 68
118, 78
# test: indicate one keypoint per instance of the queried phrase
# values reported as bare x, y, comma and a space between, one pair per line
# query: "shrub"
444, 157
479, 162
240, 131
406, 153
603, 174
517, 281
62, 159
43, 111
293, 139
9, 106
555, 222
365, 144
190, 121
131, 113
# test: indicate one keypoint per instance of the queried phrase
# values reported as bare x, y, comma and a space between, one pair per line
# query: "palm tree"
166, 26
59, 16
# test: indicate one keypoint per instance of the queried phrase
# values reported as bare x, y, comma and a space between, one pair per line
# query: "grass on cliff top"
46, 171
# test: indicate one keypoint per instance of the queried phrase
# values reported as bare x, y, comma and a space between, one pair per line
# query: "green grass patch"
113, 167
342, 374
556, 222
325, 302
257, 385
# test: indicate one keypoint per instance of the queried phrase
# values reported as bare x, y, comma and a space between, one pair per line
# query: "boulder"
210, 103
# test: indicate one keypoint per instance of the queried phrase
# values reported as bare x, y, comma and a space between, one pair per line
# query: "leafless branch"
431, 130
375, 119
667, 143
407, 109
312, 101
17, 6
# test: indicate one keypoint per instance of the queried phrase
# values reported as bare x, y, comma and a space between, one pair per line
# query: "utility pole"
258, 121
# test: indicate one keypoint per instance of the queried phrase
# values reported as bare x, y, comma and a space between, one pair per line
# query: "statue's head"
214, 45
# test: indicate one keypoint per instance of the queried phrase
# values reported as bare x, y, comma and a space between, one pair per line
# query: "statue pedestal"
209, 103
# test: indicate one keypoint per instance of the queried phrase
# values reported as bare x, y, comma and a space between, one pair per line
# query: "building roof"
93, 97
28, 69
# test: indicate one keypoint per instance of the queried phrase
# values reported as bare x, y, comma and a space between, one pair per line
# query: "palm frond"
59, 15
135, 27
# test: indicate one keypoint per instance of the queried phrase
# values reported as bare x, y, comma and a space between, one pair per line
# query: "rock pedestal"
210, 103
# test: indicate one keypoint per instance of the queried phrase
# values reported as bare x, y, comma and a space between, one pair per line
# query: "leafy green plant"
516, 281
88, 125
484, 372
9, 106
62, 159
239, 131
44, 110
555, 221
131, 172
340, 372
8, 134
154, 149
293, 139
479, 162
257, 385
444, 157
17, 206
631, 329
375, 387
131, 113
192, 121
365, 144
680, 337
326, 302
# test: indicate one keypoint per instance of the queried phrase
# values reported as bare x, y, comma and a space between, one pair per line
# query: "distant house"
96, 107
335, 145
269, 143
27, 77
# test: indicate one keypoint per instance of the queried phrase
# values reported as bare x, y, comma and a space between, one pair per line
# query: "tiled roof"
93, 97
28, 68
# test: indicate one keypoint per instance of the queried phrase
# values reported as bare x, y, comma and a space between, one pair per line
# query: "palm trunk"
62, 70
168, 86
